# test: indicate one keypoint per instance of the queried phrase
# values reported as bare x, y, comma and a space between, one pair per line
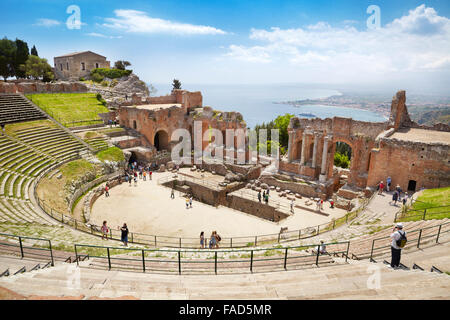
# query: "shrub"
82, 79
110, 73
96, 77
104, 83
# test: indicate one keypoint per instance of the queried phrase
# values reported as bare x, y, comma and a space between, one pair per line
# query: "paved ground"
147, 208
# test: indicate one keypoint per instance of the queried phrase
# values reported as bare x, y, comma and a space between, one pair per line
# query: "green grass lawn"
69, 107
111, 154
435, 201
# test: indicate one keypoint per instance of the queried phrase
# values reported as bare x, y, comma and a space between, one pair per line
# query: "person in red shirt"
380, 190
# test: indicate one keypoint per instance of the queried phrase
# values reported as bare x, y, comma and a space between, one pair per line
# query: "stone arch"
161, 140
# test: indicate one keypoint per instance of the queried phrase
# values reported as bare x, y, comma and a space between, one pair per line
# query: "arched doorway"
161, 140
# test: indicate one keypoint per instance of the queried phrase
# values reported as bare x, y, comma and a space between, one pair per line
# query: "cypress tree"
34, 51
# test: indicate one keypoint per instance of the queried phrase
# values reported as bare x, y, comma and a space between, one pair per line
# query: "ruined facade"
413, 156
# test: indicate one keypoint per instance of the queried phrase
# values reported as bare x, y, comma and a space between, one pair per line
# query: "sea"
261, 103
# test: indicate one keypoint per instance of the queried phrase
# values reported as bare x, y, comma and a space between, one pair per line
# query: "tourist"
388, 183
106, 191
202, 240
135, 181
398, 243
150, 175
292, 205
172, 194
267, 198
264, 195
212, 240
267, 191
381, 187
187, 202
218, 239
404, 203
130, 178
331, 204
140, 173
144, 175
124, 236
395, 197
321, 204
104, 230
259, 196
190, 201
126, 177
318, 205
322, 248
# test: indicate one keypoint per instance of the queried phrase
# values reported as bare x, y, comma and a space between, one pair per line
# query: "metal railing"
414, 239
190, 242
27, 247
425, 214
202, 261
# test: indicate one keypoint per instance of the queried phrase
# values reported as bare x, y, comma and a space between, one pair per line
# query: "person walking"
321, 204
266, 198
212, 240
218, 239
144, 174
202, 240
187, 202
388, 183
318, 205
398, 243
190, 201
395, 197
259, 196
292, 205
150, 175
104, 230
124, 235
106, 191
381, 187
172, 194
135, 181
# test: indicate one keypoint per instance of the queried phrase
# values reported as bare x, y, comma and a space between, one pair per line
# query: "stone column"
323, 169
302, 157
291, 137
316, 142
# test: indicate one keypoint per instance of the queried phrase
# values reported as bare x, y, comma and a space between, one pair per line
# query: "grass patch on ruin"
67, 108
11, 129
111, 154
436, 202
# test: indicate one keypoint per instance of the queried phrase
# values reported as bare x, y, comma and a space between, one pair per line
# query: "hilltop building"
72, 66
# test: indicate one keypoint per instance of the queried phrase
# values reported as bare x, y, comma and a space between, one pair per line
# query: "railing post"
299, 234
215, 262
285, 258
439, 232
21, 247
318, 229
131, 234
420, 236
395, 218
179, 262
279, 237
51, 252
371, 250
76, 254
348, 249
231, 242
92, 229
110, 233
346, 218
317, 256
109, 259
180, 242
251, 261
62, 217
155, 241
424, 214
75, 224
334, 224
143, 260
256, 240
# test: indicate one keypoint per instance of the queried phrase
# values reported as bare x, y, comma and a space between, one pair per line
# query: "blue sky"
324, 42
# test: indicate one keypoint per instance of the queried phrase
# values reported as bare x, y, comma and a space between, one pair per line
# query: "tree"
21, 57
121, 64
7, 58
34, 51
37, 68
282, 123
176, 84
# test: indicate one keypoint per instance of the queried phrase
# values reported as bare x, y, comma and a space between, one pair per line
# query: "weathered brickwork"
78, 64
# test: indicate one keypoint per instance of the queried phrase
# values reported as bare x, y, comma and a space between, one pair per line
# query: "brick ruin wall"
42, 87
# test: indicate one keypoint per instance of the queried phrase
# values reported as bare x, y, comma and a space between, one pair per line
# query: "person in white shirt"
395, 249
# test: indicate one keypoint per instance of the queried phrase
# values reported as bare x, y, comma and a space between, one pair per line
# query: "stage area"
148, 208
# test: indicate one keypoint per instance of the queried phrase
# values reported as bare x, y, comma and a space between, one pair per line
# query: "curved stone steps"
14, 157
47, 143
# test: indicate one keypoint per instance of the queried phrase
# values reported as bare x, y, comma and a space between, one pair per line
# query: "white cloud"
43, 22
139, 22
100, 35
419, 41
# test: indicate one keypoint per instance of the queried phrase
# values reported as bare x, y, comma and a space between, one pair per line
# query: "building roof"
77, 53
422, 136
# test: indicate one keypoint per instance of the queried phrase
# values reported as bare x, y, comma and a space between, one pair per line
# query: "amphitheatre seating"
98, 143
16, 108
